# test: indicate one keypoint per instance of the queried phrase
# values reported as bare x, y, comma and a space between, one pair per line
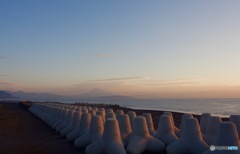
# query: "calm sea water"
217, 106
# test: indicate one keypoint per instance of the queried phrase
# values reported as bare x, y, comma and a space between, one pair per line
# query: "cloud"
102, 55
119, 79
177, 82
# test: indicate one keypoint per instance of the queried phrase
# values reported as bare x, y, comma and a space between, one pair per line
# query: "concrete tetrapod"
191, 141
212, 129
110, 142
84, 110
109, 110
140, 139
55, 118
132, 116
83, 127
101, 109
32, 108
204, 122
102, 114
59, 119
226, 136
42, 112
50, 114
36, 109
92, 112
149, 120
184, 117
95, 108
89, 107
176, 130
76, 126
110, 115
79, 108
94, 133
118, 113
165, 131
62, 121
125, 128
68, 122
236, 120
45, 113
75, 123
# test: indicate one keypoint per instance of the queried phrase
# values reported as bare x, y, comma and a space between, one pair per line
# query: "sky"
137, 48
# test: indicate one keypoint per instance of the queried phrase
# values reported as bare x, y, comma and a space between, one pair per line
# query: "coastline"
177, 115
23, 132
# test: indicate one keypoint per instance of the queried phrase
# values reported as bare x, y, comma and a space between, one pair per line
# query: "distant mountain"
111, 99
115, 99
39, 96
5, 95
95, 93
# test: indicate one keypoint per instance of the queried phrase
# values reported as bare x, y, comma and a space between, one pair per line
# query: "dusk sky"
136, 48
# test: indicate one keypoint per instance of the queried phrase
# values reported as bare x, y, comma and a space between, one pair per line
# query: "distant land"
6, 95
95, 95
37, 96
110, 98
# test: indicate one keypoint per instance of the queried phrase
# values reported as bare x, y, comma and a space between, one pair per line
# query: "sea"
216, 106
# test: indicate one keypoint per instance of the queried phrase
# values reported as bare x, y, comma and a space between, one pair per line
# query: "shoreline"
193, 113
181, 110
177, 115
23, 132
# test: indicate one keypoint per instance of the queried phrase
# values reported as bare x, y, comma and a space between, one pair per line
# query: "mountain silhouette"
38, 96
5, 95
96, 93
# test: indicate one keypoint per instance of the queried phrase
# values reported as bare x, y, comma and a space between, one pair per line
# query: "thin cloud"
103, 55
119, 79
177, 82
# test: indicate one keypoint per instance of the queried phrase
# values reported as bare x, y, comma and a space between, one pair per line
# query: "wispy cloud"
103, 55
177, 82
118, 79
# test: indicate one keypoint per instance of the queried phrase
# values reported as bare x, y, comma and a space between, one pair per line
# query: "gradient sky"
137, 48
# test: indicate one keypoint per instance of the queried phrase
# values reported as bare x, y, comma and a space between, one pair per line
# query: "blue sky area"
137, 48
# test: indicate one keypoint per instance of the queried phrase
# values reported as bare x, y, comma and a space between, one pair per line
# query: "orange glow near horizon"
143, 88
